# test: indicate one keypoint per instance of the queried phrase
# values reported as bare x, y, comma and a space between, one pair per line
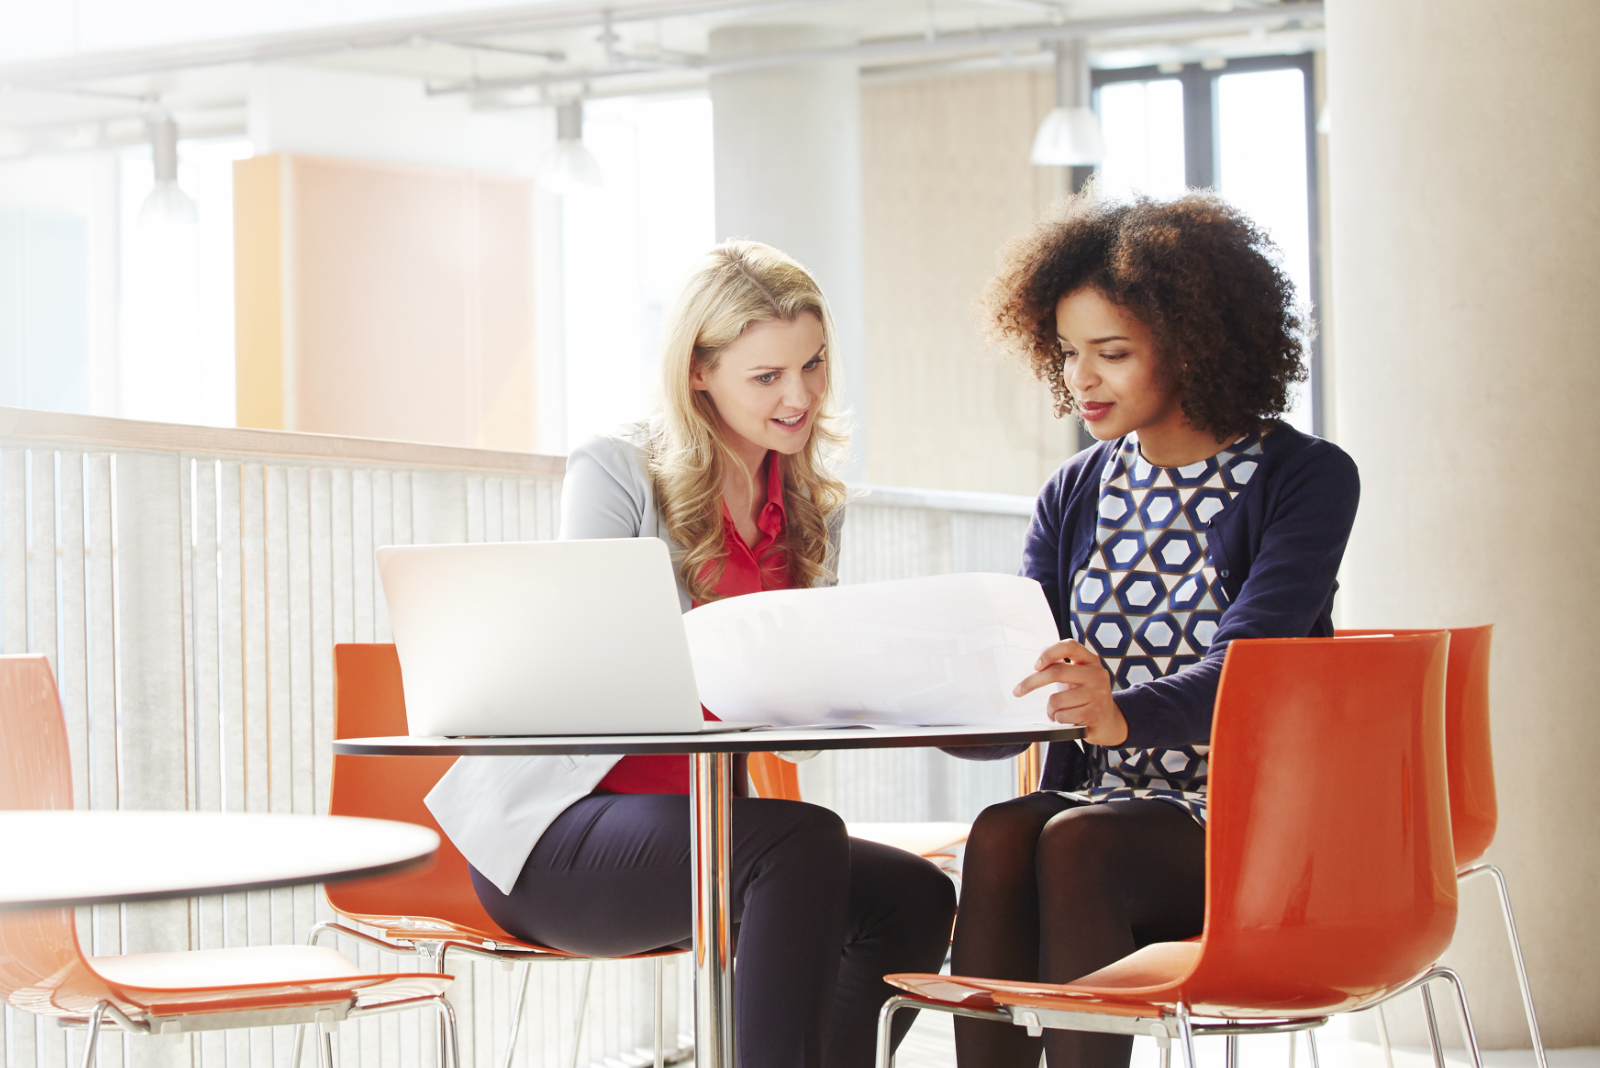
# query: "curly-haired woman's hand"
1086, 696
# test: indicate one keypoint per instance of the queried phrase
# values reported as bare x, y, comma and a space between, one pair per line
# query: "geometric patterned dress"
1148, 604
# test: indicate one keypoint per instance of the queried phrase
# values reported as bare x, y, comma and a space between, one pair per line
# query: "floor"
931, 1045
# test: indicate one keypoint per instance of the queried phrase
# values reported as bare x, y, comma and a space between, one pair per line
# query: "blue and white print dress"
1147, 602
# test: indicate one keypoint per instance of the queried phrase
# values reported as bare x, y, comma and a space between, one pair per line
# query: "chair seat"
212, 980
923, 839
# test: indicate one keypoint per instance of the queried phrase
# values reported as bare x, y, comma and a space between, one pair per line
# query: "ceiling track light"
167, 203
569, 165
1070, 135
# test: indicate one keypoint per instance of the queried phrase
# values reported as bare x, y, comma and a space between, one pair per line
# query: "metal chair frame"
1181, 1025
326, 1017
433, 953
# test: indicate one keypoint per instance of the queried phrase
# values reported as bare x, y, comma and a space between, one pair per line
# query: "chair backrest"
369, 701
41, 964
1474, 812
1329, 870
772, 776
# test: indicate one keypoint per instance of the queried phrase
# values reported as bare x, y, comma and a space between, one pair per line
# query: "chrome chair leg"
583, 1011
1186, 1034
1499, 878
1383, 1038
516, 1014
1435, 1043
661, 971
1230, 1046
1311, 1044
91, 1037
1164, 1052
885, 1057
324, 1046
1468, 1034
449, 1034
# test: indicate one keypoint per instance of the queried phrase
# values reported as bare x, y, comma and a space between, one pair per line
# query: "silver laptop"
538, 638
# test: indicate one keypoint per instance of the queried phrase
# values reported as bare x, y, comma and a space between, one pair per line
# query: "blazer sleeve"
1291, 580
601, 496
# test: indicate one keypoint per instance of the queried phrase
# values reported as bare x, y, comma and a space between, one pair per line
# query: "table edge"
671, 745
211, 890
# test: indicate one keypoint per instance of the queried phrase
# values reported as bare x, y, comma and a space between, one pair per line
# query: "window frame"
1200, 163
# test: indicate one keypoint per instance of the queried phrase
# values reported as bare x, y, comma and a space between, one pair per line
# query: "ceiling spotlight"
1070, 135
167, 204
569, 166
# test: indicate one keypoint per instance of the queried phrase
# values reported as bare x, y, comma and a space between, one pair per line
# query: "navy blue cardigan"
1276, 550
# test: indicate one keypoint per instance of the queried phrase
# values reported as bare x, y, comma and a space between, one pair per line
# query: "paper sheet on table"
928, 651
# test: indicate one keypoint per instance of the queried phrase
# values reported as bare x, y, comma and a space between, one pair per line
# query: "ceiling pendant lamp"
570, 165
1070, 135
167, 204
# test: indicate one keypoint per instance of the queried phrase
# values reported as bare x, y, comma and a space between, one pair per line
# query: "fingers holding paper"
1085, 694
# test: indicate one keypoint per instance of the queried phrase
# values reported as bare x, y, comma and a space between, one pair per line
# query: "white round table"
59, 858
710, 790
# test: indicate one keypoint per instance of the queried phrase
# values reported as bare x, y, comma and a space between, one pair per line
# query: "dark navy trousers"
819, 917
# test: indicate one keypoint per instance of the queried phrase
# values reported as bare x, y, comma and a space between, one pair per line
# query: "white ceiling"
82, 73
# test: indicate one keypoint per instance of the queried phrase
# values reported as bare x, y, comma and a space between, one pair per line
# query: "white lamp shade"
569, 166
168, 205
1069, 137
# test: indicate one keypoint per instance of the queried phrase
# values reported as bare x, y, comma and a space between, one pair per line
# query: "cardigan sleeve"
1290, 583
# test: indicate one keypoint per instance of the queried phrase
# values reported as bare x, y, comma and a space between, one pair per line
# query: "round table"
710, 790
65, 857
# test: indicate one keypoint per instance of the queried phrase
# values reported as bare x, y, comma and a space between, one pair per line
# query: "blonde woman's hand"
1086, 698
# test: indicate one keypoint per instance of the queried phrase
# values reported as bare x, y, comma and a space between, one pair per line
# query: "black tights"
1053, 889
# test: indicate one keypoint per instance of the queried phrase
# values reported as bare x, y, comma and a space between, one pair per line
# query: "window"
1244, 129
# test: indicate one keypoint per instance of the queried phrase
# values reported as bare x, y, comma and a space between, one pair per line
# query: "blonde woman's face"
768, 385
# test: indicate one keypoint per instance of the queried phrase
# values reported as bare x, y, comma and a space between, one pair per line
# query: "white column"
1465, 137
788, 173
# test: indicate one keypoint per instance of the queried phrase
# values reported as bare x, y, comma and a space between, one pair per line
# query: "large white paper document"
927, 652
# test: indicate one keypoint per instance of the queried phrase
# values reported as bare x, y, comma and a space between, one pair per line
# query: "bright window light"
626, 248
1143, 127
1261, 167
175, 359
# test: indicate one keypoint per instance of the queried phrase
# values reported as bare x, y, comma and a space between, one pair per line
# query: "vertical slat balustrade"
188, 585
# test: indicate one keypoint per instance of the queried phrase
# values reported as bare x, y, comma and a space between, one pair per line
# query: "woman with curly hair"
591, 854
1198, 518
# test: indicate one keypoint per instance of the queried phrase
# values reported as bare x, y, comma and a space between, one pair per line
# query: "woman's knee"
795, 830
1006, 833
1083, 840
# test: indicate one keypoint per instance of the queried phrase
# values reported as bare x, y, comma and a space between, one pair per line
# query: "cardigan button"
1224, 574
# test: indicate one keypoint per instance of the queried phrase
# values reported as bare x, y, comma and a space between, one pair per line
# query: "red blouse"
745, 569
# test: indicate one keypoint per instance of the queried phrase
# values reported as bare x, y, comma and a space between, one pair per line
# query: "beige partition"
945, 182
384, 301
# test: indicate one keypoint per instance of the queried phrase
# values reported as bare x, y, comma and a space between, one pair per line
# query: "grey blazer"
608, 494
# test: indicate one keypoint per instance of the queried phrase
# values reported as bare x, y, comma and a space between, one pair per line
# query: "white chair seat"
311, 968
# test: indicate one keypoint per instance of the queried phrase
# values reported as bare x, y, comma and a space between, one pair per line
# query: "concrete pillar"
788, 173
1465, 137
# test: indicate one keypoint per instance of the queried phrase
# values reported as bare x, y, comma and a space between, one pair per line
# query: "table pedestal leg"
710, 788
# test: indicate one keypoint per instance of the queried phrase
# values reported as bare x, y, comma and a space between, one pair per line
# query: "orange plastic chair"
431, 913
1330, 881
43, 969
1474, 812
772, 776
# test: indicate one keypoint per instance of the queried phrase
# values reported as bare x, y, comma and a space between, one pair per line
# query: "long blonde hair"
736, 285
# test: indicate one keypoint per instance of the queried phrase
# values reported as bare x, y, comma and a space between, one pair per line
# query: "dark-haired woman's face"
1110, 368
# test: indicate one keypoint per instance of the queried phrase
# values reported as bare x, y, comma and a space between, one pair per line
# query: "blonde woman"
592, 855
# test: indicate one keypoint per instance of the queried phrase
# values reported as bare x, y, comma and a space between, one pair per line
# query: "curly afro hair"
1229, 334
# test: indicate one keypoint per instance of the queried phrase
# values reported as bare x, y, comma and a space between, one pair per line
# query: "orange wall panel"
407, 303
